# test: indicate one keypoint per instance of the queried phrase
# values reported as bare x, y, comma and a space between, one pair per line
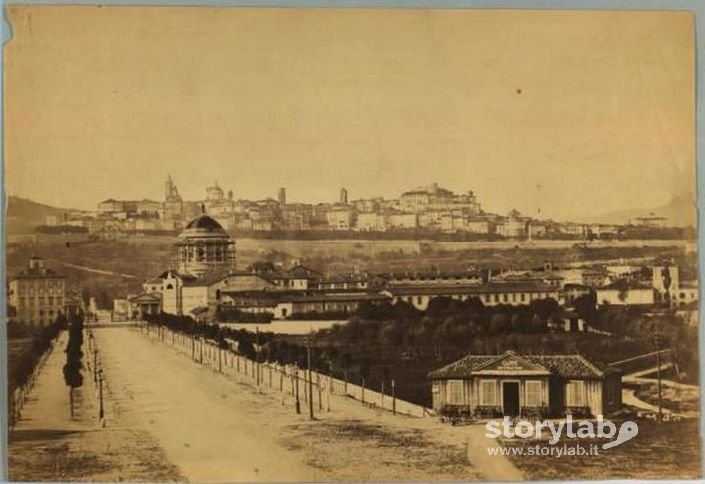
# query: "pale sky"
596, 108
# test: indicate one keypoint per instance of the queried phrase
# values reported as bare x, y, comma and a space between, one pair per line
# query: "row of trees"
21, 367
260, 346
74, 355
478, 318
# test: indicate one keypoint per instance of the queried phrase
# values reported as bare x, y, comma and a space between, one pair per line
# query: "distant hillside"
23, 215
680, 212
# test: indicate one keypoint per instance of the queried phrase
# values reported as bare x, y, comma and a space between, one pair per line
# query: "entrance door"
510, 398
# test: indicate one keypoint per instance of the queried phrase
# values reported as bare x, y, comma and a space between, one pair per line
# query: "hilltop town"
424, 211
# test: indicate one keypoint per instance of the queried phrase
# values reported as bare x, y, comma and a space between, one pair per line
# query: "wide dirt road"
214, 427
207, 425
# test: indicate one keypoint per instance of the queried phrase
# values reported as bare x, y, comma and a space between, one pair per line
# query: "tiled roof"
303, 271
491, 288
145, 297
565, 366
208, 278
39, 273
297, 296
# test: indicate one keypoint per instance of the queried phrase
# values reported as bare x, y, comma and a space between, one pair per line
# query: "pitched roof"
37, 273
145, 297
489, 288
565, 366
297, 297
208, 278
303, 271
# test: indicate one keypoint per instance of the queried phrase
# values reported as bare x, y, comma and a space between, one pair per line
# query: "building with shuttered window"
492, 386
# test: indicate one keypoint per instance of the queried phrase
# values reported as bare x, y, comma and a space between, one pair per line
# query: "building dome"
204, 246
203, 226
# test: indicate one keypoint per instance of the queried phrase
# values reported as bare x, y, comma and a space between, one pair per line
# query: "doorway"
510, 398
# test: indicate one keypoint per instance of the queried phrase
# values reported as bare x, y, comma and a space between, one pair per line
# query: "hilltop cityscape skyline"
529, 206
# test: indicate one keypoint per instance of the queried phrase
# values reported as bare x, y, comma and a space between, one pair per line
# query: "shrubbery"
22, 367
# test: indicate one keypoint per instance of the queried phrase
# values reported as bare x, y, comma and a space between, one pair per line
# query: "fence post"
318, 384
298, 403
381, 394
394, 399
363, 389
345, 381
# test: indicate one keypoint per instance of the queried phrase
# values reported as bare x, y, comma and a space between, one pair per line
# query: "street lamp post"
95, 366
657, 341
100, 392
310, 380
296, 389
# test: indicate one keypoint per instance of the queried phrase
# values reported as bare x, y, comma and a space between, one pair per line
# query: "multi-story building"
371, 222
110, 206
434, 197
37, 293
491, 294
478, 225
296, 216
340, 218
368, 205
652, 221
402, 221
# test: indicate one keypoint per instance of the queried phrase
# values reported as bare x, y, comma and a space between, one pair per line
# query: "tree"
499, 323
585, 306
261, 267
545, 307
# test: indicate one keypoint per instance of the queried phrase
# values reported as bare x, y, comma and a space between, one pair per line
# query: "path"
96, 271
47, 408
494, 467
214, 426
629, 398
638, 378
206, 427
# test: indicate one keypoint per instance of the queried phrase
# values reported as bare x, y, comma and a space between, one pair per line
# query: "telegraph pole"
257, 354
657, 340
95, 365
100, 392
310, 379
394, 399
296, 389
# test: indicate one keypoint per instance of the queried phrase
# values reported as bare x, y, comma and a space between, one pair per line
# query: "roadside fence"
290, 381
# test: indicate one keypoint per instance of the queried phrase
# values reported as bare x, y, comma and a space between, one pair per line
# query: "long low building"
491, 294
283, 305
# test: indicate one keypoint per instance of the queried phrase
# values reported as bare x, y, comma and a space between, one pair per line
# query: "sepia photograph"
350, 244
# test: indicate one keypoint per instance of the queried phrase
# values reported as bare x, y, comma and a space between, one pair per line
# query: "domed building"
204, 246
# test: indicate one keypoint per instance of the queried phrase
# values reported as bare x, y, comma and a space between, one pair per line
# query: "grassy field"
659, 451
